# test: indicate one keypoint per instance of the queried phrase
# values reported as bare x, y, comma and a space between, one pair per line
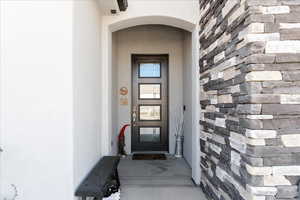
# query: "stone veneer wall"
250, 98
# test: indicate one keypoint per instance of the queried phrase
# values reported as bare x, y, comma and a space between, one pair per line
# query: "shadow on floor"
157, 180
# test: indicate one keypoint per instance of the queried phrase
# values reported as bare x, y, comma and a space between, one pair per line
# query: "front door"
150, 103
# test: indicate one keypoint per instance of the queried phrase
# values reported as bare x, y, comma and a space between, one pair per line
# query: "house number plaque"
123, 98
123, 91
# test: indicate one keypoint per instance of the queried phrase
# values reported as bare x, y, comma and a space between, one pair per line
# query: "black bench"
102, 181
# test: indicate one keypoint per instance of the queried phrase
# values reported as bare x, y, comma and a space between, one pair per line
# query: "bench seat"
96, 183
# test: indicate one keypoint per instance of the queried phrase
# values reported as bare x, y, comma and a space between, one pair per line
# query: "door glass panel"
149, 113
149, 91
149, 134
149, 70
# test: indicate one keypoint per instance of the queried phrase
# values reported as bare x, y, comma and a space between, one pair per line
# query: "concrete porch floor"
157, 180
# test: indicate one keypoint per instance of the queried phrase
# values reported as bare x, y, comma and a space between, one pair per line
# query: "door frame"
168, 93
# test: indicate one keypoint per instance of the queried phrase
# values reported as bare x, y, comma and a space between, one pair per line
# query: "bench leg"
83, 198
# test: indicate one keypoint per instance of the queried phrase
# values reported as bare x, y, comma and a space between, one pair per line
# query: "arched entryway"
110, 27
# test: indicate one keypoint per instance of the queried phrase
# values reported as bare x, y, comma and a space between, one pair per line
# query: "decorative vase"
179, 147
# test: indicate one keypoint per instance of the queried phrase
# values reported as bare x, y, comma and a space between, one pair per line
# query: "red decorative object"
121, 140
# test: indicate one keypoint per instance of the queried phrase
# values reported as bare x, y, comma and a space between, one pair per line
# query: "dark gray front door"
150, 103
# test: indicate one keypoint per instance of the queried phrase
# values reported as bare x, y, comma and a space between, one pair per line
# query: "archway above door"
147, 20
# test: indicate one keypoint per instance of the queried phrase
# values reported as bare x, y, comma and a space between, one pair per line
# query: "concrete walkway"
157, 180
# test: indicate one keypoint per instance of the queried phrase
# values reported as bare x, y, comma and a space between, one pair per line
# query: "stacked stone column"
250, 98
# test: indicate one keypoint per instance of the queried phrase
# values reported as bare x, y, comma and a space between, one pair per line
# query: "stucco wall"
50, 96
152, 39
86, 87
188, 82
250, 99
115, 96
36, 99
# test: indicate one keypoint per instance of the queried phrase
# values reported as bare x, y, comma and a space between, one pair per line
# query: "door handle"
134, 115
1, 150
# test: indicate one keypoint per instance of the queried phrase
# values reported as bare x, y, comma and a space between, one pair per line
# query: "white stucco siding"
86, 87
37, 99
187, 97
50, 96
139, 11
115, 96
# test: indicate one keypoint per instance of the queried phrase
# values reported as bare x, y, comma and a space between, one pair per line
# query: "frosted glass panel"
149, 91
149, 70
149, 112
150, 134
